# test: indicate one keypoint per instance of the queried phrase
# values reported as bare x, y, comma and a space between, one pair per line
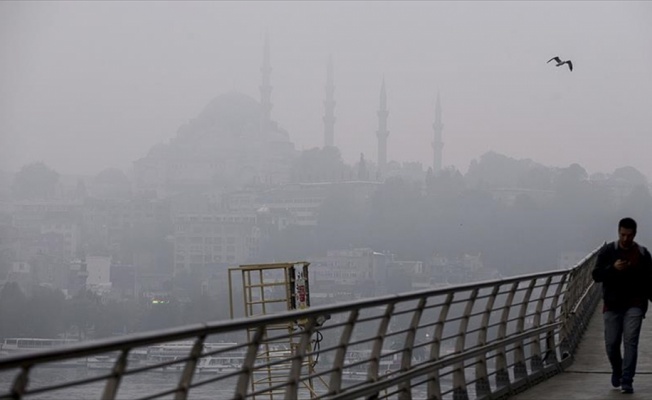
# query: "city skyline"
96, 85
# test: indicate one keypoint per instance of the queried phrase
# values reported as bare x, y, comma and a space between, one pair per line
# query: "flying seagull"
560, 62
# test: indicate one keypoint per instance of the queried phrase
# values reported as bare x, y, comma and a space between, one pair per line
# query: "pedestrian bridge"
528, 337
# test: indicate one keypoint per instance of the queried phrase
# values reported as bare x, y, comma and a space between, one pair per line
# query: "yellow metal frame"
269, 289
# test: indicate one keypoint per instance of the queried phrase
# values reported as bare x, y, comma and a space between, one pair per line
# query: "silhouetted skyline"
90, 85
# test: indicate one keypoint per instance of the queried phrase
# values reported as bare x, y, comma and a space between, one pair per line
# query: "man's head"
626, 232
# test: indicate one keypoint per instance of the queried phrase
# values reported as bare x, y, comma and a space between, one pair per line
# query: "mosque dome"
230, 114
231, 109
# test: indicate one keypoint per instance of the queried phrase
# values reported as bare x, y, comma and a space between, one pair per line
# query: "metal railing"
485, 340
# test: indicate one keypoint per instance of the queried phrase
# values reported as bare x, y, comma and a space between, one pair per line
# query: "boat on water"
220, 364
13, 346
222, 358
216, 358
137, 357
22, 345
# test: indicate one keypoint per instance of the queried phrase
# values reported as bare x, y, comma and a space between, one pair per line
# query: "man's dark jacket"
631, 287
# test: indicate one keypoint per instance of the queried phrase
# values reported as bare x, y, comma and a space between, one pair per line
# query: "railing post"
567, 318
502, 374
434, 388
113, 383
335, 384
520, 368
536, 361
247, 370
459, 378
189, 369
294, 378
20, 384
377, 349
551, 348
408, 347
482, 385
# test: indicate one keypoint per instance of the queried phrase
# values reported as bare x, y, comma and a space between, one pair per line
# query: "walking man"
625, 269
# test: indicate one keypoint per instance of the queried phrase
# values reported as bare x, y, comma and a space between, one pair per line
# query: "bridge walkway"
588, 378
503, 339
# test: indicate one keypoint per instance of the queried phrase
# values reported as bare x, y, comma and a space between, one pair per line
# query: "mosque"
234, 142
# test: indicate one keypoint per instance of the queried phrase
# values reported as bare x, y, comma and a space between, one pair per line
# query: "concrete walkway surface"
589, 378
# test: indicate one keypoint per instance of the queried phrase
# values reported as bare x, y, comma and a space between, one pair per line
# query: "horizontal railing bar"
172, 334
434, 365
526, 337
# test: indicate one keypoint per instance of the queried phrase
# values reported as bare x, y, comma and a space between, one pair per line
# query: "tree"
82, 312
569, 177
319, 165
118, 317
630, 175
45, 311
537, 177
35, 181
12, 305
495, 170
446, 186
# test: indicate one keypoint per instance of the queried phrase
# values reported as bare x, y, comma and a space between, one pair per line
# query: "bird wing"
555, 58
570, 64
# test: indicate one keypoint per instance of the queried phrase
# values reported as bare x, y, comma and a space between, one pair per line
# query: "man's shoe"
615, 380
626, 388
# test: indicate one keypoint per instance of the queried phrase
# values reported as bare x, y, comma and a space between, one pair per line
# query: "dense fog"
148, 147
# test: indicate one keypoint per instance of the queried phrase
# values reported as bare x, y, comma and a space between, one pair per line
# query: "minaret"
437, 144
266, 90
382, 132
329, 107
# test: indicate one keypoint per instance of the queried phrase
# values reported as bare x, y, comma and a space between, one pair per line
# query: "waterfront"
142, 385
132, 387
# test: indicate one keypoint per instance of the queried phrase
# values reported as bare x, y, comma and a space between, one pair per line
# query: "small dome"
230, 112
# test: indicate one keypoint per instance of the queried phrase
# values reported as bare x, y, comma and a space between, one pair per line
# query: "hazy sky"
90, 85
